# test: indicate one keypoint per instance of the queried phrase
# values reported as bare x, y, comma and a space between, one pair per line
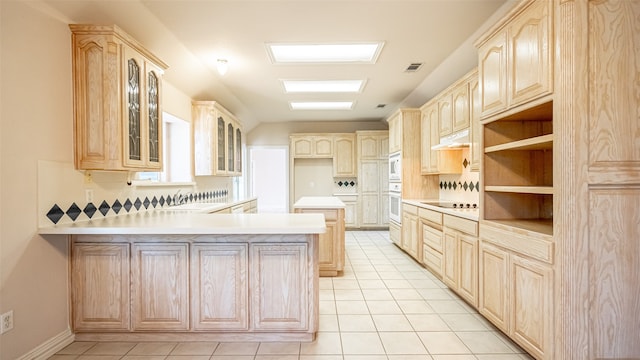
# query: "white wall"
270, 134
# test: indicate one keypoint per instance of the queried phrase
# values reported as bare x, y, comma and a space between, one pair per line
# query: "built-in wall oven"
395, 202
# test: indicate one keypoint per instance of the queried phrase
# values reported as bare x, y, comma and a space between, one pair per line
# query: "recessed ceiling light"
321, 105
322, 86
324, 53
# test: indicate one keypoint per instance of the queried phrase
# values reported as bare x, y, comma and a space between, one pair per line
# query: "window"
176, 153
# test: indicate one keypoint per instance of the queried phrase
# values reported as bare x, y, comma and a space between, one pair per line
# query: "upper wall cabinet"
515, 59
344, 162
339, 147
312, 146
217, 140
117, 101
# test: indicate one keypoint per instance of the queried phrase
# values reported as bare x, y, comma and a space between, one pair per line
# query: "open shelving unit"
518, 169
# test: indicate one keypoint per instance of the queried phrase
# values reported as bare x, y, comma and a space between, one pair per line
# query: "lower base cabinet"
460, 257
411, 239
395, 232
264, 287
331, 257
516, 295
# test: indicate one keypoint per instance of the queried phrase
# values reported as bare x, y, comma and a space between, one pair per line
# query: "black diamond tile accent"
161, 201
465, 163
352, 183
117, 206
465, 186
169, 199
441, 184
74, 211
449, 185
137, 204
154, 201
90, 209
478, 185
471, 186
146, 202
55, 214
104, 208
455, 186
339, 183
128, 205
191, 197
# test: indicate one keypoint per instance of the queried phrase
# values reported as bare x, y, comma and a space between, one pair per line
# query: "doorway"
269, 178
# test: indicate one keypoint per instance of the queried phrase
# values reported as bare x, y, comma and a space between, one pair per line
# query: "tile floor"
384, 307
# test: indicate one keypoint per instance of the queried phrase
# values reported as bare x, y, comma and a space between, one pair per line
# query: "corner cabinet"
117, 101
217, 140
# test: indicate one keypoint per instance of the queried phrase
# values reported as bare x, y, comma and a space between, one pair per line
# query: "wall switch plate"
6, 322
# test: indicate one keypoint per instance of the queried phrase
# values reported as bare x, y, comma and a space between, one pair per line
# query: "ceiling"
191, 35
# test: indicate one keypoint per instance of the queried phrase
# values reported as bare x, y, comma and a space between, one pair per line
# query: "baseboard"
50, 347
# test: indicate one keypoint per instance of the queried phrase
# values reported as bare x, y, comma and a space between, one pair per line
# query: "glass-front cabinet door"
133, 117
222, 146
238, 150
154, 119
231, 161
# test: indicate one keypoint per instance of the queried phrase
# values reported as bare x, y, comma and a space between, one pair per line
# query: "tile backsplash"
463, 187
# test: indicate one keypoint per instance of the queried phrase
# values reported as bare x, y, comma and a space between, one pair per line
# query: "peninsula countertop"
319, 202
190, 222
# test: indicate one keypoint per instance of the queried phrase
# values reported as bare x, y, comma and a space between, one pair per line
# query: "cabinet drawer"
528, 245
329, 215
430, 215
432, 237
411, 209
463, 225
433, 260
247, 207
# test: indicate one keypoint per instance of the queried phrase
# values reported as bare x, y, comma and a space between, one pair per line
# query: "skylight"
323, 86
321, 105
324, 53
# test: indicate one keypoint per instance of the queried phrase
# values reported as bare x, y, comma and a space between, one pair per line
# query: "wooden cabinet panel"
311, 146
302, 147
450, 259
100, 287
430, 136
160, 287
331, 244
395, 134
219, 287
280, 298
475, 129
445, 114
492, 71
323, 146
460, 107
395, 233
468, 267
411, 241
217, 140
344, 161
493, 285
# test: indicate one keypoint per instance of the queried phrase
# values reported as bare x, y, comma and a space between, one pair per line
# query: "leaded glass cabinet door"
230, 150
238, 150
154, 119
133, 124
222, 145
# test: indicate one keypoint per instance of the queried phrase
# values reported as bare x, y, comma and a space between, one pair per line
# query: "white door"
269, 178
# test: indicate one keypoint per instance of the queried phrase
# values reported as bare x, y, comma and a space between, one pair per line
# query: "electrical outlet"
6, 322
89, 195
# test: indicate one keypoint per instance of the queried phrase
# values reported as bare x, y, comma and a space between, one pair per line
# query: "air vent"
380, 106
413, 67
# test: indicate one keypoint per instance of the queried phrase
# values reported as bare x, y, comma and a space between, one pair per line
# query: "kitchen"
595, 167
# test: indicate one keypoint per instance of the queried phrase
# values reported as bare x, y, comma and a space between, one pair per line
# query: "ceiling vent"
413, 67
380, 106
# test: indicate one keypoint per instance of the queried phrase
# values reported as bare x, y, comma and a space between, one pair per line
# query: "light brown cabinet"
432, 240
515, 62
217, 140
117, 101
411, 241
331, 244
373, 179
475, 127
460, 257
430, 136
160, 287
311, 146
344, 163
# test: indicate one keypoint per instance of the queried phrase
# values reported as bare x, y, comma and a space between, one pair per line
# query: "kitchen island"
188, 276
331, 243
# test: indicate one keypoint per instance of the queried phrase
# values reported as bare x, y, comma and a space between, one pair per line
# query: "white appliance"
395, 167
395, 202
454, 141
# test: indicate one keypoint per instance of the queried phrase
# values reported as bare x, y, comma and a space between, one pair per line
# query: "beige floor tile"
328, 322
236, 348
110, 348
453, 357
152, 348
463, 322
351, 307
405, 294
484, 342
383, 307
447, 307
365, 357
402, 343
231, 357
195, 348
377, 294
415, 275
356, 323
326, 295
99, 357
415, 307
276, 357
390, 275
345, 284
435, 294
367, 275
391, 323
63, 357
348, 294
188, 357
144, 357
361, 343
77, 348
372, 284
498, 357
384, 267
327, 343
423, 283
410, 357
427, 322
326, 283
321, 357
327, 307
443, 343
279, 348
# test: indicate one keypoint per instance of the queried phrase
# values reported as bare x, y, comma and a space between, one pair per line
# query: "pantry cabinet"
117, 93
217, 140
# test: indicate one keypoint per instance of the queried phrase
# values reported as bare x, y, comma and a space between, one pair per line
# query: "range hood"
454, 141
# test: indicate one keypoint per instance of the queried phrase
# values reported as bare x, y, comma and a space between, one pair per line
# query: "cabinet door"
531, 306
134, 100
221, 141
384, 148
475, 128
100, 287
395, 233
468, 267
279, 293
460, 100
368, 147
220, 287
415, 248
395, 134
204, 125
445, 115
350, 213
493, 285
430, 136
492, 72
323, 146
160, 287
530, 64
302, 147
231, 151
331, 243
450, 259
238, 149
344, 162
369, 184
153, 122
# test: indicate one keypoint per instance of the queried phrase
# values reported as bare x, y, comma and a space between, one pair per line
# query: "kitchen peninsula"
170, 275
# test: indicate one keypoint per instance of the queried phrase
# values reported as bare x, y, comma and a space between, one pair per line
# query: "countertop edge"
463, 213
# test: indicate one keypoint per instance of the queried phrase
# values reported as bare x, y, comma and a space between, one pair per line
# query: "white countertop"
471, 214
319, 202
194, 222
